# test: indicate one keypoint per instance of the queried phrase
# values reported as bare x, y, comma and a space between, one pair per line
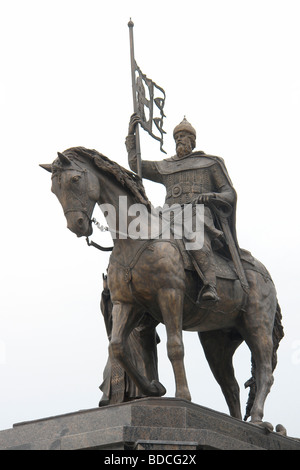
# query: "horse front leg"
170, 301
125, 318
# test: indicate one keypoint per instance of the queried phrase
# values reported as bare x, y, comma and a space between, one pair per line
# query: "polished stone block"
145, 424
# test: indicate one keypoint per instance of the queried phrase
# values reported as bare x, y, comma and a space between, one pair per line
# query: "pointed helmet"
184, 126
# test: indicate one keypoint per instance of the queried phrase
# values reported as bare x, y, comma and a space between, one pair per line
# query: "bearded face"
183, 143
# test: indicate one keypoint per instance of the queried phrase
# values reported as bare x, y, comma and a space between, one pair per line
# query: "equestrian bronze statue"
218, 290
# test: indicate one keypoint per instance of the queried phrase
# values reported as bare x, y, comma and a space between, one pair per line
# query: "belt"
184, 188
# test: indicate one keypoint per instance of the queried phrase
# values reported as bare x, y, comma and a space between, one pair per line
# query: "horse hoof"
281, 430
264, 424
157, 389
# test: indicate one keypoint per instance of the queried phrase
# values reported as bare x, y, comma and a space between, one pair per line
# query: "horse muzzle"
79, 223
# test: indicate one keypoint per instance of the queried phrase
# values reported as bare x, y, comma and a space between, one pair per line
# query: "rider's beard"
183, 149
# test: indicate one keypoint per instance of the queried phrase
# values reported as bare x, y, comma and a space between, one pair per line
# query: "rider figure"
192, 177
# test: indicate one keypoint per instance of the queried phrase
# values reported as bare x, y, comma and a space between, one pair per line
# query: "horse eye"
75, 179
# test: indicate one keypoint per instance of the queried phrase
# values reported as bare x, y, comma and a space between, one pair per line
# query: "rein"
103, 229
95, 245
222, 208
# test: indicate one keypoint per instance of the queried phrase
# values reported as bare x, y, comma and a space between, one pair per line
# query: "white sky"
232, 67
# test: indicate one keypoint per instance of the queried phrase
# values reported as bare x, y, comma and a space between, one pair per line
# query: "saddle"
224, 267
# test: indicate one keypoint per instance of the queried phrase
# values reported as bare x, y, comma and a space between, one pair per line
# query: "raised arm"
149, 168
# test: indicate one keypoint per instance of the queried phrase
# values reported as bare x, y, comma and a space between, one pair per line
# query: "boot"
209, 292
206, 265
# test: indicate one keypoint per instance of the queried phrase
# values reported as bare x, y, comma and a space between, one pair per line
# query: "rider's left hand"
205, 198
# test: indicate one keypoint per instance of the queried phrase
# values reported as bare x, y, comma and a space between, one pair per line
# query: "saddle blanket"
224, 267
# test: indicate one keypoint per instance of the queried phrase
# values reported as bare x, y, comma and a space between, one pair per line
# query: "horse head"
77, 176
77, 188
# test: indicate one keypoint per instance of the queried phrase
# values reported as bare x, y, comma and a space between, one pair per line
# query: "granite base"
145, 424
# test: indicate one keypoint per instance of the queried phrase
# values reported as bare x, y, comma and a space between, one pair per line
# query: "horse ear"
46, 166
64, 160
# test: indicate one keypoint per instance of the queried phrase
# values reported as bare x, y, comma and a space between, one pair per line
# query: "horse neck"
115, 201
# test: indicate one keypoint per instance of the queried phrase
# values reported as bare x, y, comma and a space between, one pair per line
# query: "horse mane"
126, 178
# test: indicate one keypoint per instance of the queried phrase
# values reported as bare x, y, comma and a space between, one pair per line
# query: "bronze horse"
153, 276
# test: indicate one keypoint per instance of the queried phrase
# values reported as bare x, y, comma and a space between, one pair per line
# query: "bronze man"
191, 178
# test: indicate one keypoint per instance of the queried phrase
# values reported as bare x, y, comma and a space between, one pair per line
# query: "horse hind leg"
219, 347
262, 354
170, 301
256, 327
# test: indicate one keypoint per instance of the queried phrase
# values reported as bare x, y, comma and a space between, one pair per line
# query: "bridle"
83, 200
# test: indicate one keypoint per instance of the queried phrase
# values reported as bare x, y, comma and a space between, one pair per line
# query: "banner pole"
135, 104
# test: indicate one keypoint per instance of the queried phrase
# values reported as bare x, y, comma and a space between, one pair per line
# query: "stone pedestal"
147, 424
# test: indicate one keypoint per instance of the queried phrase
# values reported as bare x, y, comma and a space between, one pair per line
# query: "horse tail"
277, 336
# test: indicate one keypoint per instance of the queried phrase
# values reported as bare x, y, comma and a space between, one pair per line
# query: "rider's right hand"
134, 121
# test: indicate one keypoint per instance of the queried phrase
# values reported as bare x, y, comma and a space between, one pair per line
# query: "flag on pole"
150, 100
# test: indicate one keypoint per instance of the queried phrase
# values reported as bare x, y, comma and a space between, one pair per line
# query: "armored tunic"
185, 179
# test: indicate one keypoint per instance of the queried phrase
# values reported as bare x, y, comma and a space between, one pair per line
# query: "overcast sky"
232, 67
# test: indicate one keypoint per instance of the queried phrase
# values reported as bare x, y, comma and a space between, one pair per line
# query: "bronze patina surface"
228, 297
